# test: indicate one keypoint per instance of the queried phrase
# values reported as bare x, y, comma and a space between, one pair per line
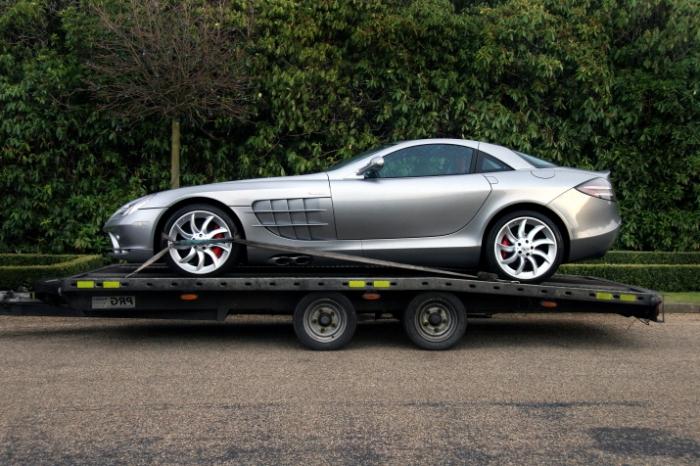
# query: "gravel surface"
518, 389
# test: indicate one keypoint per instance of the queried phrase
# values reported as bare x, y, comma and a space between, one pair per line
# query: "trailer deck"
157, 288
349, 290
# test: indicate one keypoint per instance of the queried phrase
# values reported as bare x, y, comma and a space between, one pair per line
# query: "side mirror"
375, 164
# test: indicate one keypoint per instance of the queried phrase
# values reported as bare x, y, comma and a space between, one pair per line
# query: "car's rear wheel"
201, 222
525, 246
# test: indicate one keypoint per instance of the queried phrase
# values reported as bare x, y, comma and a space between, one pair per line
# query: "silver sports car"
437, 202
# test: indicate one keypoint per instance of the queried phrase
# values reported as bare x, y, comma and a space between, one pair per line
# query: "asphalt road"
519, 389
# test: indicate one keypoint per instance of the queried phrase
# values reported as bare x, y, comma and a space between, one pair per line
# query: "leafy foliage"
602, 84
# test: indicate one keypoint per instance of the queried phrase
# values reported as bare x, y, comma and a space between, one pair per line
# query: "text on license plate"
113, 302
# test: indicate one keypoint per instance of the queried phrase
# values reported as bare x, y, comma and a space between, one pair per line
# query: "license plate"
113, 302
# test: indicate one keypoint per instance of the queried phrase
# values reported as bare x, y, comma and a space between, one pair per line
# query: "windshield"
534, 161
364, 154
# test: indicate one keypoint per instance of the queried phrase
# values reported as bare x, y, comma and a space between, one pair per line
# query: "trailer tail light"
597, 187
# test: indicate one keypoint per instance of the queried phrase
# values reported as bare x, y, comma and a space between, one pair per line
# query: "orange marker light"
369, 296
189, 297
548, 304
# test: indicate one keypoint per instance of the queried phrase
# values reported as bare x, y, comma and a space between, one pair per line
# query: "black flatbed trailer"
430, 299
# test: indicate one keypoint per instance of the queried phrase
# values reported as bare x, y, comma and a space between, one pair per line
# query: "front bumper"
132, 235
593, 223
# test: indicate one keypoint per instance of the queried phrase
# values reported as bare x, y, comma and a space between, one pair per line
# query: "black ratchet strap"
188, 243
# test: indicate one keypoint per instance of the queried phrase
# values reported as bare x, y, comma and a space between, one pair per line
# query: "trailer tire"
324, 321
435, 321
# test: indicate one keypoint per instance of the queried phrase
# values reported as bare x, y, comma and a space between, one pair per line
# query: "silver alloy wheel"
435, 321
324, 321
525, 248
200, 224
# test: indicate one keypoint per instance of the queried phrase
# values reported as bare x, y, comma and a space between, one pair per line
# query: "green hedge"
21, 272
664, 277
35, 259
647, 257
604, 85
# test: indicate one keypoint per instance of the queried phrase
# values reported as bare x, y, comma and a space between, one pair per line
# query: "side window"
487, 164
427, 160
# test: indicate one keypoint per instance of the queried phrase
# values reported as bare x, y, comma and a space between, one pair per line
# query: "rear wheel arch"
191, 201
527, 206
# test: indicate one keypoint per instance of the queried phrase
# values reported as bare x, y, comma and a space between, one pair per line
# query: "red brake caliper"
216, 249
504, 242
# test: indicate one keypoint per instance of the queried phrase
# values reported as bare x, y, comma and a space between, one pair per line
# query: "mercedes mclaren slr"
435, 202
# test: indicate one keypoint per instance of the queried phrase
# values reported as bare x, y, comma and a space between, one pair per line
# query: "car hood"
243, 192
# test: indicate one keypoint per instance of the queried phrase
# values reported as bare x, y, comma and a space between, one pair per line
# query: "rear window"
487, 164
534, 161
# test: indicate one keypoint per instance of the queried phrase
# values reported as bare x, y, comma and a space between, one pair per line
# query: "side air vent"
307, 219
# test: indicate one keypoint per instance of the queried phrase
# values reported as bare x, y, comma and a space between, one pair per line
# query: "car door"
422, 190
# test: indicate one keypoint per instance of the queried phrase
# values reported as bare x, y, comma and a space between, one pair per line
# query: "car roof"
504, 154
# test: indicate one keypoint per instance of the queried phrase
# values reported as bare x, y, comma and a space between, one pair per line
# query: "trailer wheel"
435, 321
324, 321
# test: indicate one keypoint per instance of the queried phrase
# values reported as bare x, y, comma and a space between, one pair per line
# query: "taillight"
597, 187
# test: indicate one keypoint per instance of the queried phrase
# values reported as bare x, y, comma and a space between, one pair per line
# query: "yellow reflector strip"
85, 284
628, 297
111, 284
356, 283
605, 296
382, 283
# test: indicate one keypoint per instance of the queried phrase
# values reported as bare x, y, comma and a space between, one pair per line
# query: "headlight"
597, 187
133, 206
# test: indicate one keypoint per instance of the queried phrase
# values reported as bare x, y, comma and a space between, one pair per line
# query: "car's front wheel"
201, 222
525, 246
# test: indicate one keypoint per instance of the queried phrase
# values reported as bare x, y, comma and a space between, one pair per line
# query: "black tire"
233, 256
312, 332
489, 249
429, 334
